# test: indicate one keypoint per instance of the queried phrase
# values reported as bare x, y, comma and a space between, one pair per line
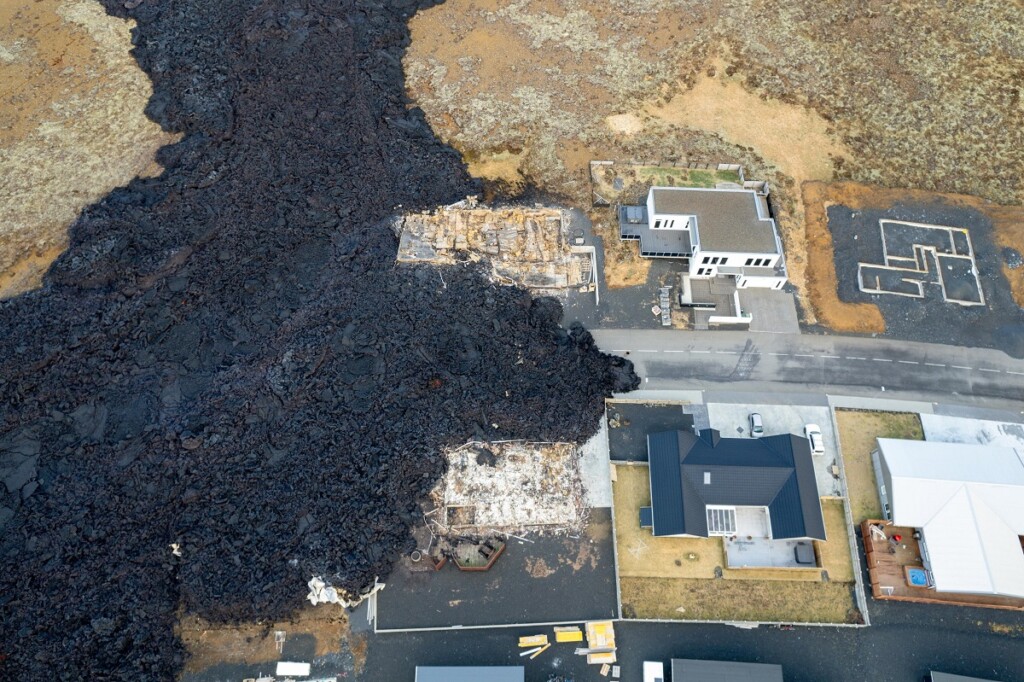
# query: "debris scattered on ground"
510, 487
530, 247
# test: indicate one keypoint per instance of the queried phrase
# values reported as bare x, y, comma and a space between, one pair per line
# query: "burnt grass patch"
227, 359
998, 324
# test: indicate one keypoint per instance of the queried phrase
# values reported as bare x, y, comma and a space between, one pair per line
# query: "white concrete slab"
962, 430
741, 552
595, 469
731, 419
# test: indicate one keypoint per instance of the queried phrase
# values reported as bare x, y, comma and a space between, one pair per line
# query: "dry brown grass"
835, 551
675, 577
695, 599
210, 644
623, 266
573, 80
822, 282
640, 554
858, 432
71, 126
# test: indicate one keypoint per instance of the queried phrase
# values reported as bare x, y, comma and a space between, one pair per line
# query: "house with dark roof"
722, 232
758, 494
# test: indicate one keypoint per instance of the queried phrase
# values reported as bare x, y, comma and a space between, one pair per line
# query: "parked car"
812, 432
756, 425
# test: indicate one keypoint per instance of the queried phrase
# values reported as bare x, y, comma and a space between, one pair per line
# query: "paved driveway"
773, 311
731, 419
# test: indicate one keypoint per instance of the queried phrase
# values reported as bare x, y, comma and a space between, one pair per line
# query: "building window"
721, 520
723, 261
707, 259
750, 261
657, 224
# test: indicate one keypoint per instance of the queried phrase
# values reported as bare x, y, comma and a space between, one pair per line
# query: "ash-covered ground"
229, 359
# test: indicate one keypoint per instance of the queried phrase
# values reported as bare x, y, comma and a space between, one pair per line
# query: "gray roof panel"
688, 670
948, 677
727, 219
673, 243
666, 483
453, 673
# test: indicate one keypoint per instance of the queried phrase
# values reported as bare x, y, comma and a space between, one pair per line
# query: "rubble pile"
227, 385
509, 487
527, 246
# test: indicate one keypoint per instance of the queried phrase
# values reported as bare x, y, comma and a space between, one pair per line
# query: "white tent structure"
968, 502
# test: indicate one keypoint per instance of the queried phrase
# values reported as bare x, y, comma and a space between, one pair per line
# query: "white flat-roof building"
968, 502
721, 232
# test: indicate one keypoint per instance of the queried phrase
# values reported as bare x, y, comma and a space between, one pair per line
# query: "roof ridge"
789, 458
944, 503
980, 536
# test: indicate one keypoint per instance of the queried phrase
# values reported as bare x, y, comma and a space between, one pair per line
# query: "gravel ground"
998, 324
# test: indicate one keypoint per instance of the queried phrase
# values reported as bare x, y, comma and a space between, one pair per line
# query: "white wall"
745, 282
657, 221
733, 259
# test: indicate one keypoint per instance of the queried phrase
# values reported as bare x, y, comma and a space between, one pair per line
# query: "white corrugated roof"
968, 501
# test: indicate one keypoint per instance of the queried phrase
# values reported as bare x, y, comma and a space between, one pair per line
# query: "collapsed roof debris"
510, 487
530, 247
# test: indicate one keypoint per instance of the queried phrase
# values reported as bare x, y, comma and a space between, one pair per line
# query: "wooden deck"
887, 562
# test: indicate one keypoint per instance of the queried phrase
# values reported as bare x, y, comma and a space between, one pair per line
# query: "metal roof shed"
949, 677
470, 673
968, 501
689, 670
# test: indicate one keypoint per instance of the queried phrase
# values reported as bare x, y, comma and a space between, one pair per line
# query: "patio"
714, 301
741, 552
889, 559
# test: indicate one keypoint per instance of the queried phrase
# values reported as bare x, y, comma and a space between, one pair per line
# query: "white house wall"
733, 265
682, 221
745, 282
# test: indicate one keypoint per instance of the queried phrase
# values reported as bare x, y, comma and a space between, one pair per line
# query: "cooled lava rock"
227, 385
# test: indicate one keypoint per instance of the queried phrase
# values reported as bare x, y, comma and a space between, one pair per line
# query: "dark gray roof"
727, 219
653, 243
687, 670
776, 472
511, 673
666, 473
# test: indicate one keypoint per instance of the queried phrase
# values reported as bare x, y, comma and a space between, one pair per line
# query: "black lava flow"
228, 359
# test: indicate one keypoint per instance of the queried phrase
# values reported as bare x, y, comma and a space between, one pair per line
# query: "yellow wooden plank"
533, 640
540, 651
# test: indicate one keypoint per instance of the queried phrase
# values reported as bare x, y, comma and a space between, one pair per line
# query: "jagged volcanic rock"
227, 358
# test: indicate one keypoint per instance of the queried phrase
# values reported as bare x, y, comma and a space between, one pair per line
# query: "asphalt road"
898, 652
667, 358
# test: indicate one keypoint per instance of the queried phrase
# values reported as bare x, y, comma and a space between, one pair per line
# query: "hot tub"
916, 576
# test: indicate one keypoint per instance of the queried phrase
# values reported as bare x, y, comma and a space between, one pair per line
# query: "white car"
756, 425
812, 432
